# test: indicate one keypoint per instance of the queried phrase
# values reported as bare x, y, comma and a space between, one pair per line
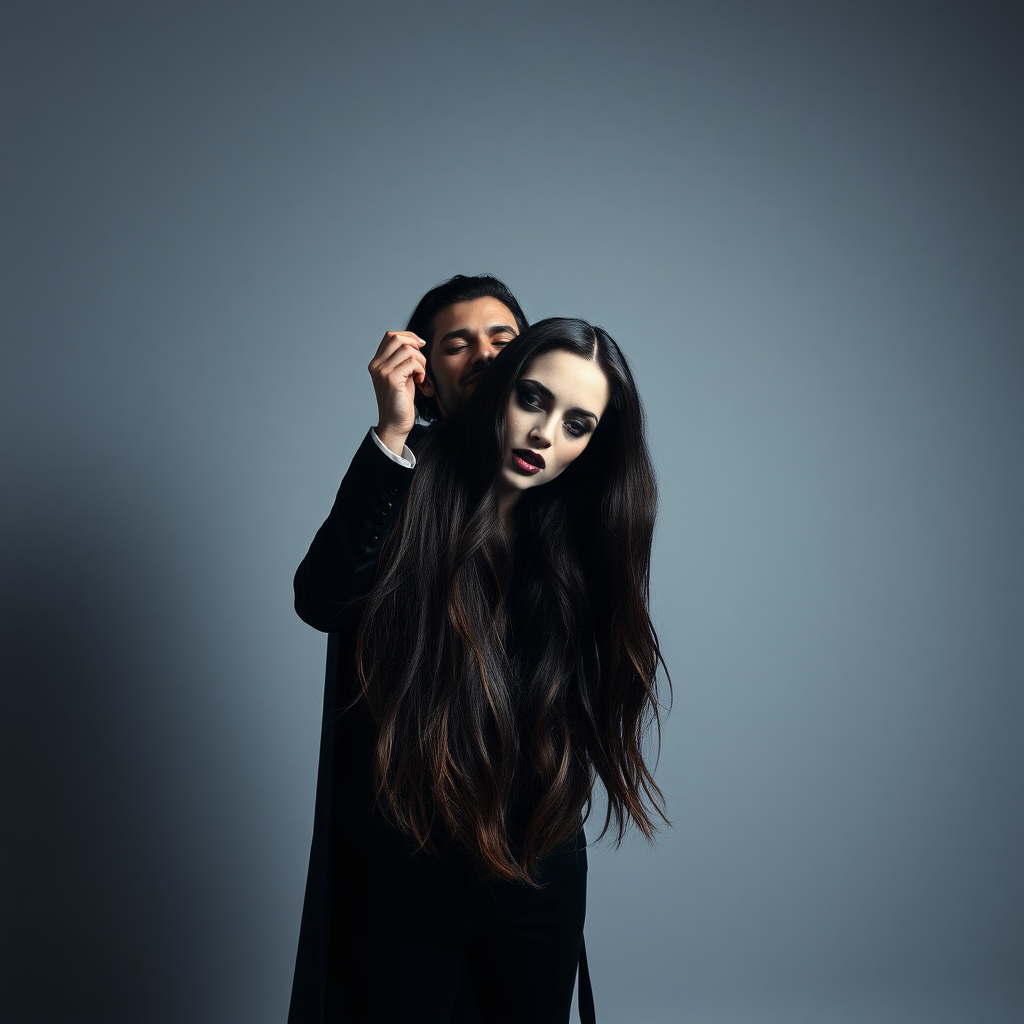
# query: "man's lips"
527, 461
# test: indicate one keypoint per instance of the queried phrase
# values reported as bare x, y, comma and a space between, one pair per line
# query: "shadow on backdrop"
101, 897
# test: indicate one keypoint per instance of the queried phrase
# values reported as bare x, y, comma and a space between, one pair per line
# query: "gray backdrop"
802, 221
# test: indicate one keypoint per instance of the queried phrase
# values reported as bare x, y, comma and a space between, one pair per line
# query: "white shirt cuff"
406, 459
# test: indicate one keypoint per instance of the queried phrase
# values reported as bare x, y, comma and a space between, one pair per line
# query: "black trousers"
424, 943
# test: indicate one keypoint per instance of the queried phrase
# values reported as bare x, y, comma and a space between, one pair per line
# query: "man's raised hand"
396, 368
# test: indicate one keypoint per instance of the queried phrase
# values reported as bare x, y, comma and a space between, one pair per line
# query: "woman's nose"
541, 435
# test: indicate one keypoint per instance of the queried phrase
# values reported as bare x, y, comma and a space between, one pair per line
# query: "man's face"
467, 336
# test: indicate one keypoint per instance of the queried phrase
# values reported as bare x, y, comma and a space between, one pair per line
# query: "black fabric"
337, 569
585, 1001
389, 933
426, 943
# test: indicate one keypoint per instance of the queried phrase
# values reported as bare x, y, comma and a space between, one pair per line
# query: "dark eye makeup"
530, 398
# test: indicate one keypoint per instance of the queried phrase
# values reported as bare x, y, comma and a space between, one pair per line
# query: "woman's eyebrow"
550, 397
540, 387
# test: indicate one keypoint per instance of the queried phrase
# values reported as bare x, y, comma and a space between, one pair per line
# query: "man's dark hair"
459, 288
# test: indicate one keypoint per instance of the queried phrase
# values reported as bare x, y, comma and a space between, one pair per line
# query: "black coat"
336, 572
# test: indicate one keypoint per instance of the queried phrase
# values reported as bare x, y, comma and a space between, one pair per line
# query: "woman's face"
552, 414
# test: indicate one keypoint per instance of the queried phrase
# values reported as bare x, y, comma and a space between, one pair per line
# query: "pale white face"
552, 415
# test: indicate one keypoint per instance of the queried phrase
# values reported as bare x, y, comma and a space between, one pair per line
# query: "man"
426, 370
454, 333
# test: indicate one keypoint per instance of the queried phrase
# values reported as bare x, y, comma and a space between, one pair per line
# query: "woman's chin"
517, 481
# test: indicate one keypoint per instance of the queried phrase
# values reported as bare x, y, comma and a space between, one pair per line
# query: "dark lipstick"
527, 461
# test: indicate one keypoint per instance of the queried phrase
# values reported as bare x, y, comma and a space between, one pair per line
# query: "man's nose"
484, 353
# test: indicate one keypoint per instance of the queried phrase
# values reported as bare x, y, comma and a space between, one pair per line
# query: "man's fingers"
398, 361
391, 343
411, 366
398, 358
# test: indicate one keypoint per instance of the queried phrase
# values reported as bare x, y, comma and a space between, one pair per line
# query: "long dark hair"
460, 288
480, 704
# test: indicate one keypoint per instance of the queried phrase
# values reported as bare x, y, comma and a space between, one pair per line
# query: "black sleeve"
339, 565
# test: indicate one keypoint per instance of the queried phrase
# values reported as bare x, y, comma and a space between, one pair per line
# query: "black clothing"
389, 933
426, 944
338, 568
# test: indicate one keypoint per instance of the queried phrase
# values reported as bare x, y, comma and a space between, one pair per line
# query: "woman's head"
559, 389
554, 409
